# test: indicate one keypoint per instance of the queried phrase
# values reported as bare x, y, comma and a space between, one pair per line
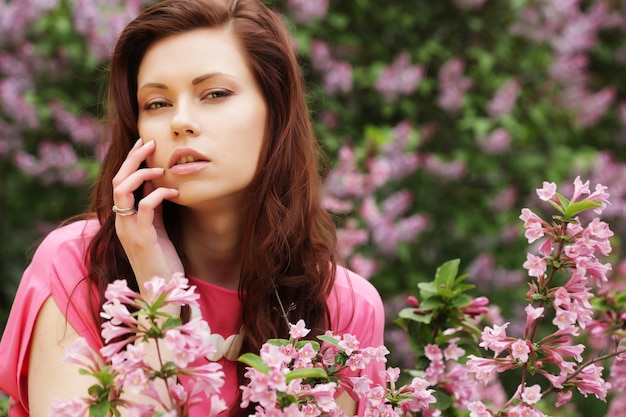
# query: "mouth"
187, 159
186, 156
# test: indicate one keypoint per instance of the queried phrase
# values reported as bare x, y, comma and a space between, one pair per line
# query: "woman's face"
200, 103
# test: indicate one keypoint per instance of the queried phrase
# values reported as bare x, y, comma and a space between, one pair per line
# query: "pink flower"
528, 216
580, 188
135, 381
452, 85
563, 397
273, 356
433, 352
477, 307
495, 142
478, 409
536, 265
400, 77
531, 395
69, 408
484, 369
180, 293
522, 410
338, 78
391, 374
520, 350
307, 10
532, 314
111, 331
547, 192
495, 339
534, 231
298, 330
453, 352
349, 343
119, 291
305, 355
590, 381
79, 353
504, 99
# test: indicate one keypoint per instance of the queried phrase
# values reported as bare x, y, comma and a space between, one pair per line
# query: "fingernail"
138, 143
149, 143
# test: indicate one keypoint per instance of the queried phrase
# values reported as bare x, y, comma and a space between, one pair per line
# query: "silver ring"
123, 211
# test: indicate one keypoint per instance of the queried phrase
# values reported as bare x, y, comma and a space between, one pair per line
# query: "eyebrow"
195, 81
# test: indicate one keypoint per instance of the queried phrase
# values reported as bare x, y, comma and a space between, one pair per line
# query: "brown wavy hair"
288, 239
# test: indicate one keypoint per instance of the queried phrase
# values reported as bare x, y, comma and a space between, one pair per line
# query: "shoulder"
76, 234
350, 284
356, 307
66, 240
60, 258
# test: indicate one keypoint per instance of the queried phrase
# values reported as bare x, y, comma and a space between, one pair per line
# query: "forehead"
206, 50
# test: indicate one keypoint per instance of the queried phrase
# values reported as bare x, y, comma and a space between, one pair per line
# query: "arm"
346, 403
50, 379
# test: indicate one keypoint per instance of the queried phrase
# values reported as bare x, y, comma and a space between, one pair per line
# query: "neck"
211, 243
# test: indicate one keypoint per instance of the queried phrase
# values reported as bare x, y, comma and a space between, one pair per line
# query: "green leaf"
301, 343
620, 299
461, 300
575, 208
171, 322
460, 279
409, 314
427, 290
446, 293
278, 342
305, 373
254, 361
432, 303
459, 288
100, 409
444, 400
328, 339
446, 274
564, 201
104, 375
415, 373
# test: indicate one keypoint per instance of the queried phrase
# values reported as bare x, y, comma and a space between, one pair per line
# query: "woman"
223, 186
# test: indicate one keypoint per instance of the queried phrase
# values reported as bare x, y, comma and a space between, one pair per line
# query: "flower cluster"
123, 368
441, 324
565, 247
301, 377
565, 274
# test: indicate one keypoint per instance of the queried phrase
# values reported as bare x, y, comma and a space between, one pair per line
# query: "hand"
143, 235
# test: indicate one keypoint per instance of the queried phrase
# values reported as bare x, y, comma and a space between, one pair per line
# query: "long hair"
288, 239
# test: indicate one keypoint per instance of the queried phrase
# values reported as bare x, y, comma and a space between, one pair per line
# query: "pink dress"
58, 270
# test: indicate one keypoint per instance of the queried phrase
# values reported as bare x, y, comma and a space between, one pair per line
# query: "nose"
184, 122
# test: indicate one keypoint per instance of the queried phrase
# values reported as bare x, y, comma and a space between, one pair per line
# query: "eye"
155, 105
216, 94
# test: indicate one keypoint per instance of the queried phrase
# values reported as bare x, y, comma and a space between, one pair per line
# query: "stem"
160, 359
546, 285
543, 288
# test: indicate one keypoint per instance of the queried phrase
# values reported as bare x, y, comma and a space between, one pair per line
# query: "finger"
123, 193
148, 188
151, 204
133, 161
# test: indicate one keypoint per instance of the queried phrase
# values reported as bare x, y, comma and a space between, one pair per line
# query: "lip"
181, 152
